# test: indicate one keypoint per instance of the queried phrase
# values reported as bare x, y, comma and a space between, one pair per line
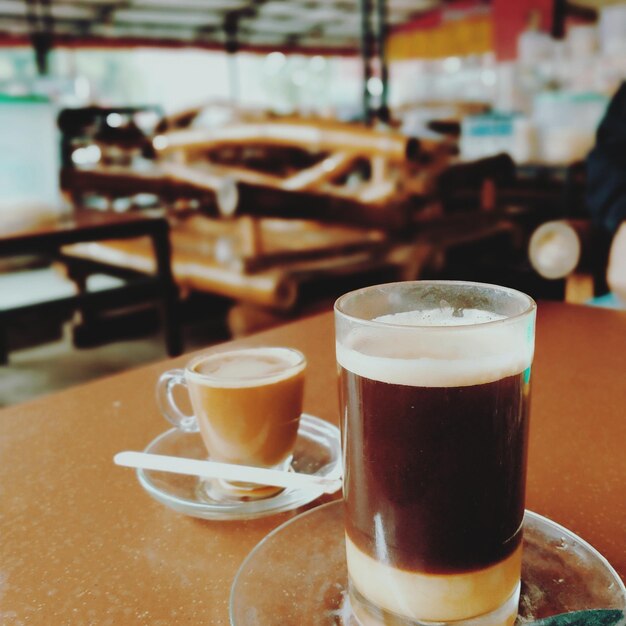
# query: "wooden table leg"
79, 276
4, 348
169, 290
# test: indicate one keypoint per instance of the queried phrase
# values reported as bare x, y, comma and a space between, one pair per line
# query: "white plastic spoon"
227, 471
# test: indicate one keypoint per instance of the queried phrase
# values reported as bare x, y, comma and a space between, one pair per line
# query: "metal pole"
367, 49
381, 45
231, 29
40, 22
559, 15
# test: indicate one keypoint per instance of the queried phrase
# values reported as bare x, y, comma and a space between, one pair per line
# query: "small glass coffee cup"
246, 406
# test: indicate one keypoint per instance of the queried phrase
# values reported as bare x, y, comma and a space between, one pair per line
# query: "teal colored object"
600, 617
607, 301
489, 125
26, 98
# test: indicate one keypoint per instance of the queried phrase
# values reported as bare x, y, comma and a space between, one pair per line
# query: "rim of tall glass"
531, 306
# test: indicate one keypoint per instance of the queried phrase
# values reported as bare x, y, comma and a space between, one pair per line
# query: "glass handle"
167, 404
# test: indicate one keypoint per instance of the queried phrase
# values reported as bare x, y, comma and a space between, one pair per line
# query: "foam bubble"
432, 357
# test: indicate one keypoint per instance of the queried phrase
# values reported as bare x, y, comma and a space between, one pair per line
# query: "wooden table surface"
78, 225
82, 543
44, 234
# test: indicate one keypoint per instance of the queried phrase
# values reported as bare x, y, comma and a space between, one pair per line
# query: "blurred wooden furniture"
261, 209
472, 185
320, 170
267, 267
556, 191
272, 266
48, 235
261, 262
110, 182
119, 133
82, 543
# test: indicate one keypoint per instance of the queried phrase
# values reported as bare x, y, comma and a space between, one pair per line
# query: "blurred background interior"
174, 173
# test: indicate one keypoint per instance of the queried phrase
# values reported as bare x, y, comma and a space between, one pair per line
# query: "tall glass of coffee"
435, 381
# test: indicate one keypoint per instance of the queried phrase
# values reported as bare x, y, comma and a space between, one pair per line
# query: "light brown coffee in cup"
248, 403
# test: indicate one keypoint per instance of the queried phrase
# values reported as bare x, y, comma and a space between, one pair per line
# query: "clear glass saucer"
317, 452
297, 575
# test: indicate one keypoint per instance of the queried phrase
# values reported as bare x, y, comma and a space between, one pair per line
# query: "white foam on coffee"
436, 354
246, 368
440, 317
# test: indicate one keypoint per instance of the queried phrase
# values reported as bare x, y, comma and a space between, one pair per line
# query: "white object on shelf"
564, 145
533, 46
582, 40
29, 154
524, 147
612, 29
567, 124
487, 135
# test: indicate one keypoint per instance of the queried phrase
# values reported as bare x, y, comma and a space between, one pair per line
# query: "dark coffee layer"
435, 476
